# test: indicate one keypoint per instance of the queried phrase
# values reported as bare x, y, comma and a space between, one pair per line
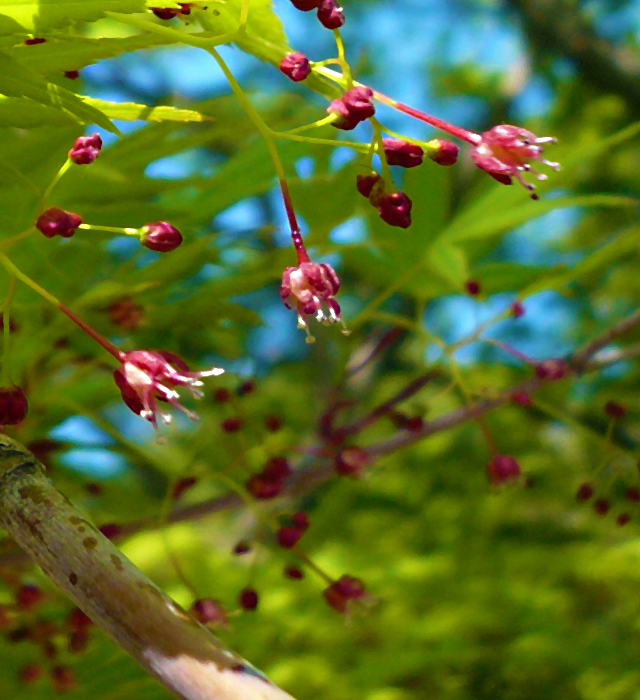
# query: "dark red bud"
57, 222
160, 236
246, 388
402, 153
263, 489
517, 309
78, 620
300, 520
208, 611
232, 425
125, 313
248, 599
633, 494
164, 13
367, 183
93, 488
221, 395
446, 152
277, 469
623, 519
340, 592
601, 506
395, 209
330, 14
288, 536
295, 65
35, 40
352, 108
242, 548
293, 572
613, 409
86, 149
552, 370
584, 493
72, 74
13, 406
521, 397
502, 468
27, 597
272, 423
473, 287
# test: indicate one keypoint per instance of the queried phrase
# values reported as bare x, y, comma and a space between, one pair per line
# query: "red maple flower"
505, 152
308, 289
146, 377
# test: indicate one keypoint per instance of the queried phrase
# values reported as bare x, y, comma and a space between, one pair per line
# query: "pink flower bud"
57, 222
248, 599
352, 108
13, 406
288, 536
501, 469
395, 209
341, 592
86, 149
330, 14
366, 184
402, 153
295, 66
517, 309
160, 236
443, 152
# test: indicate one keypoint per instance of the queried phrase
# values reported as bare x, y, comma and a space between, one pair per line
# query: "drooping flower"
505, 152
308, 289
146, 377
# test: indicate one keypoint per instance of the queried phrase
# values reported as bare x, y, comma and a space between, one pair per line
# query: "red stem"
296, 236
468, 136
109, 347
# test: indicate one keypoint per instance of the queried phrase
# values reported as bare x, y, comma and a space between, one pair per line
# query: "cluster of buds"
602, 506
271, 480
147, 377
58, 222
289, 535
394, 208
341, 592
329, 12
308, 289
353, 107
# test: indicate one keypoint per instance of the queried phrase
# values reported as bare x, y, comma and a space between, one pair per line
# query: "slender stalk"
6, 332
52, 184
108, 346
111, 229
268, 137
112, 591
